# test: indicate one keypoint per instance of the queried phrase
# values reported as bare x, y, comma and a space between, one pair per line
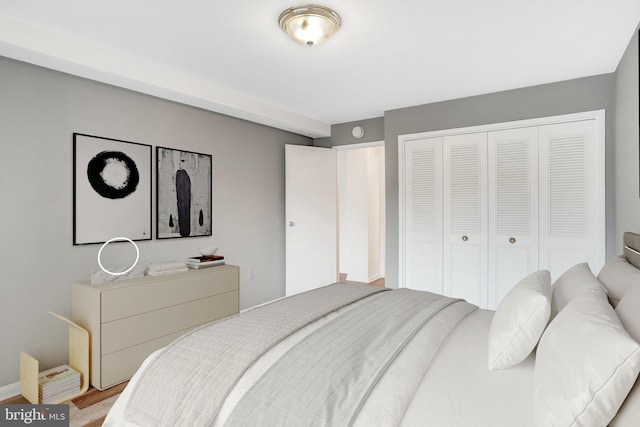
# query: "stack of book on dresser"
205, 261
168, 267
56, 383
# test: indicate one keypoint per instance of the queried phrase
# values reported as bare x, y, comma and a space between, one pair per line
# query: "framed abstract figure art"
183, 186
111, 189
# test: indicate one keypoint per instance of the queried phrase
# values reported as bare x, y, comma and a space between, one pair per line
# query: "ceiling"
232, 57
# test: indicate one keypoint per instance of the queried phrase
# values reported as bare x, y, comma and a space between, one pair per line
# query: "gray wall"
627, 140
341, 133
39, 111
585, 94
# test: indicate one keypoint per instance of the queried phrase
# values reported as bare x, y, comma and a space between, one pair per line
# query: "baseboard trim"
10, 390
375, 277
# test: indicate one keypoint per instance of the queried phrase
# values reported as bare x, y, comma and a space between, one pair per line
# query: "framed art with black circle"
111, 189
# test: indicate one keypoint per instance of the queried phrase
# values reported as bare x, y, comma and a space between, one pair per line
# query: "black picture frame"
112, 187
184, 193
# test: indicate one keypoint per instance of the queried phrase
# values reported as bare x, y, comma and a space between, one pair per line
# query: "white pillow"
520, 320
629, 315
628, 311
586, 363
578, 281
617, 276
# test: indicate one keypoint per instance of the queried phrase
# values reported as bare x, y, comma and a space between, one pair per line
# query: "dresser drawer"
120, 366
129, 319
123, 333
163, 292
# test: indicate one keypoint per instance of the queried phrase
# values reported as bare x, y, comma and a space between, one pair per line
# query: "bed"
553, 354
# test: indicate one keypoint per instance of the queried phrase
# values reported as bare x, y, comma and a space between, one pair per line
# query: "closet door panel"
513, 209
423, 210
503, 201
510, 266
465, 217
569, 196
464, 271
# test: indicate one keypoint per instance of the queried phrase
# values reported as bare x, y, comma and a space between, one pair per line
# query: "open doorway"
361, 213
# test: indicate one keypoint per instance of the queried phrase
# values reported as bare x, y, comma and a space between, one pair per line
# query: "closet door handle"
512, 240
465, 238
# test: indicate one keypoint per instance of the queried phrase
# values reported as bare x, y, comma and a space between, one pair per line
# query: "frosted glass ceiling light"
309, 24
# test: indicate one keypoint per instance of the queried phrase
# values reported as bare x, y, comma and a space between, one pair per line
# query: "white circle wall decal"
118, 239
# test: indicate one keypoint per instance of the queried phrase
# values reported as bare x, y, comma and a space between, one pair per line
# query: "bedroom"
45, 107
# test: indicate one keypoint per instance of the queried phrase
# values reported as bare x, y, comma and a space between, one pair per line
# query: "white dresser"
128, 320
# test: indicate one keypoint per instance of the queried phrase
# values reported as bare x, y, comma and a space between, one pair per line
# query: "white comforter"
458, 390
455, 389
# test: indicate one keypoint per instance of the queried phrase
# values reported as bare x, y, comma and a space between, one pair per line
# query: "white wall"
353, 214
627, 194
361, 200
39, 111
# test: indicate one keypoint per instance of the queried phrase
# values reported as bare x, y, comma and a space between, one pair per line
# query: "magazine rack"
78, 360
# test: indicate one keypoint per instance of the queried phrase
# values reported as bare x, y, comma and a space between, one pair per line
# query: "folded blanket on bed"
188, 381
325, 379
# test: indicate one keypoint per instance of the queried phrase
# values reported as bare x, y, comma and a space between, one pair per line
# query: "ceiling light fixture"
309, 24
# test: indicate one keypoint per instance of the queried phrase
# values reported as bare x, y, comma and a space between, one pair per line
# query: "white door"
465, 217
513, 209
422, 237
572, 194
311, 217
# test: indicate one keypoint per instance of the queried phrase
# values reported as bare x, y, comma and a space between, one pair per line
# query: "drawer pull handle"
512, 240
465, 238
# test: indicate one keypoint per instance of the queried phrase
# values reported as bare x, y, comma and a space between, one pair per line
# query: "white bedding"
412, 393
446, 382
116, 416
459, 391
325, 380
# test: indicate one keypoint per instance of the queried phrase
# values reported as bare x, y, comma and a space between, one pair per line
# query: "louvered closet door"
513, 209
423, 214
465, 217
570, 196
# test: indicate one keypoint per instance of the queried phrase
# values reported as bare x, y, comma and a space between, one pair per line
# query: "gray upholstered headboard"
632, 248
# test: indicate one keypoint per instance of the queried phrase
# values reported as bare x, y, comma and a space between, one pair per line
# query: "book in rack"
58, 382
58, 385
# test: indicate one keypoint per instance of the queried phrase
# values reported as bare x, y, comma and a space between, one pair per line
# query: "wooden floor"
88, 410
